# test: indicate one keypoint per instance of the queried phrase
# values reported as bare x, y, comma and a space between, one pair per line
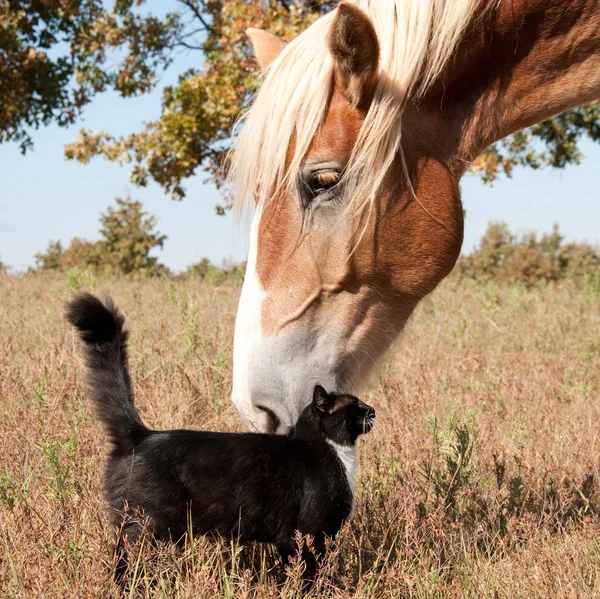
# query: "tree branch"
190, 4
188, 46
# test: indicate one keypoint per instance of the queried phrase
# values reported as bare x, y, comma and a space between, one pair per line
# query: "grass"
479, 480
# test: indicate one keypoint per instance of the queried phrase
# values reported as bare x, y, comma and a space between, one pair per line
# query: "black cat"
249, 486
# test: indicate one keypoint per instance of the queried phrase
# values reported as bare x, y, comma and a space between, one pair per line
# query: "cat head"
339, 417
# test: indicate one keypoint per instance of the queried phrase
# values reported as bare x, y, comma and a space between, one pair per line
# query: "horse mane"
416, 39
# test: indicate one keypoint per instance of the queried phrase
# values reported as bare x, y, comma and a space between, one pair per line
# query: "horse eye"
321, 181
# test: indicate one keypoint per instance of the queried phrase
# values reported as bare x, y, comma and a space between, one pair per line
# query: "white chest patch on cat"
347, 455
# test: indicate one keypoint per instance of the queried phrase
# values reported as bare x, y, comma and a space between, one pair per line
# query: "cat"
248, 486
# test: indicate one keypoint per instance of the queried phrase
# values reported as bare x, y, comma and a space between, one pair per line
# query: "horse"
350, 158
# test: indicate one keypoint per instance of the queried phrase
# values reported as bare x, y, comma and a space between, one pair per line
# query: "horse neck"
524, 62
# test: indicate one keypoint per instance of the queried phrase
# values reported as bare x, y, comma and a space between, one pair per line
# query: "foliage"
505, 257
51, 259
205, 271
128, 236
550, 143
58, 55
197, 115
449, 472
82, 253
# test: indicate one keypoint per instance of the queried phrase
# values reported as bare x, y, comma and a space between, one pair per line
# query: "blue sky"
45, 197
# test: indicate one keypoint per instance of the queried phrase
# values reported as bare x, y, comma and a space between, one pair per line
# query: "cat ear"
267, 46
321, 399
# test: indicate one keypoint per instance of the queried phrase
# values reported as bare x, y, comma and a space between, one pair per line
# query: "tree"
126, 48
52, 258
194, 128
82, 253
505, 257
550, 143
55, 55
128, 236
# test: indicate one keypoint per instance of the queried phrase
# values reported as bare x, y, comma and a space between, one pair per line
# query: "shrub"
81, 254
128, 236
198, 270
51, 259
206, 271
508, 258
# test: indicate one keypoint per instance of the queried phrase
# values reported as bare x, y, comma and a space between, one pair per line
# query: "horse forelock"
416, 38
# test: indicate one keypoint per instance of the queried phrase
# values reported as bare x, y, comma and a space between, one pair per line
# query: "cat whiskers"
368, 424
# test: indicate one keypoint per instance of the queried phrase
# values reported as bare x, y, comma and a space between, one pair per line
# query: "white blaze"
248, 335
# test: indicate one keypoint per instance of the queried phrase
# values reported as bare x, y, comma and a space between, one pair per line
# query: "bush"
508, 258
82, 254
206, 271
127, 237
198, 270
51, 259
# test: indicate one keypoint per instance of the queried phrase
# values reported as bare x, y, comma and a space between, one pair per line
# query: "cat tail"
100, 327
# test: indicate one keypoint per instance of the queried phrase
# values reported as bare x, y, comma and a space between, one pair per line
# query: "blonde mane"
416, 40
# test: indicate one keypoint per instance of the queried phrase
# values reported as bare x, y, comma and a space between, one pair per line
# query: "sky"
44, 197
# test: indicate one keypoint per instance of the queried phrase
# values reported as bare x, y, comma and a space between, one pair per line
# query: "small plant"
190, 318
9, 490
41, 391
592, 285
59, 458
449, 472
79, 279
218, 368
515, 489
189, 314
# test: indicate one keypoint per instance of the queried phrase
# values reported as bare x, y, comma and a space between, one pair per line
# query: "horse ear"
355, 49
267, 46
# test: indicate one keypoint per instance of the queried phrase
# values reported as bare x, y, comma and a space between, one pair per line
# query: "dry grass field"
481, 478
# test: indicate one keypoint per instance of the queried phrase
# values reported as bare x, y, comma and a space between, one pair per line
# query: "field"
481, 478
